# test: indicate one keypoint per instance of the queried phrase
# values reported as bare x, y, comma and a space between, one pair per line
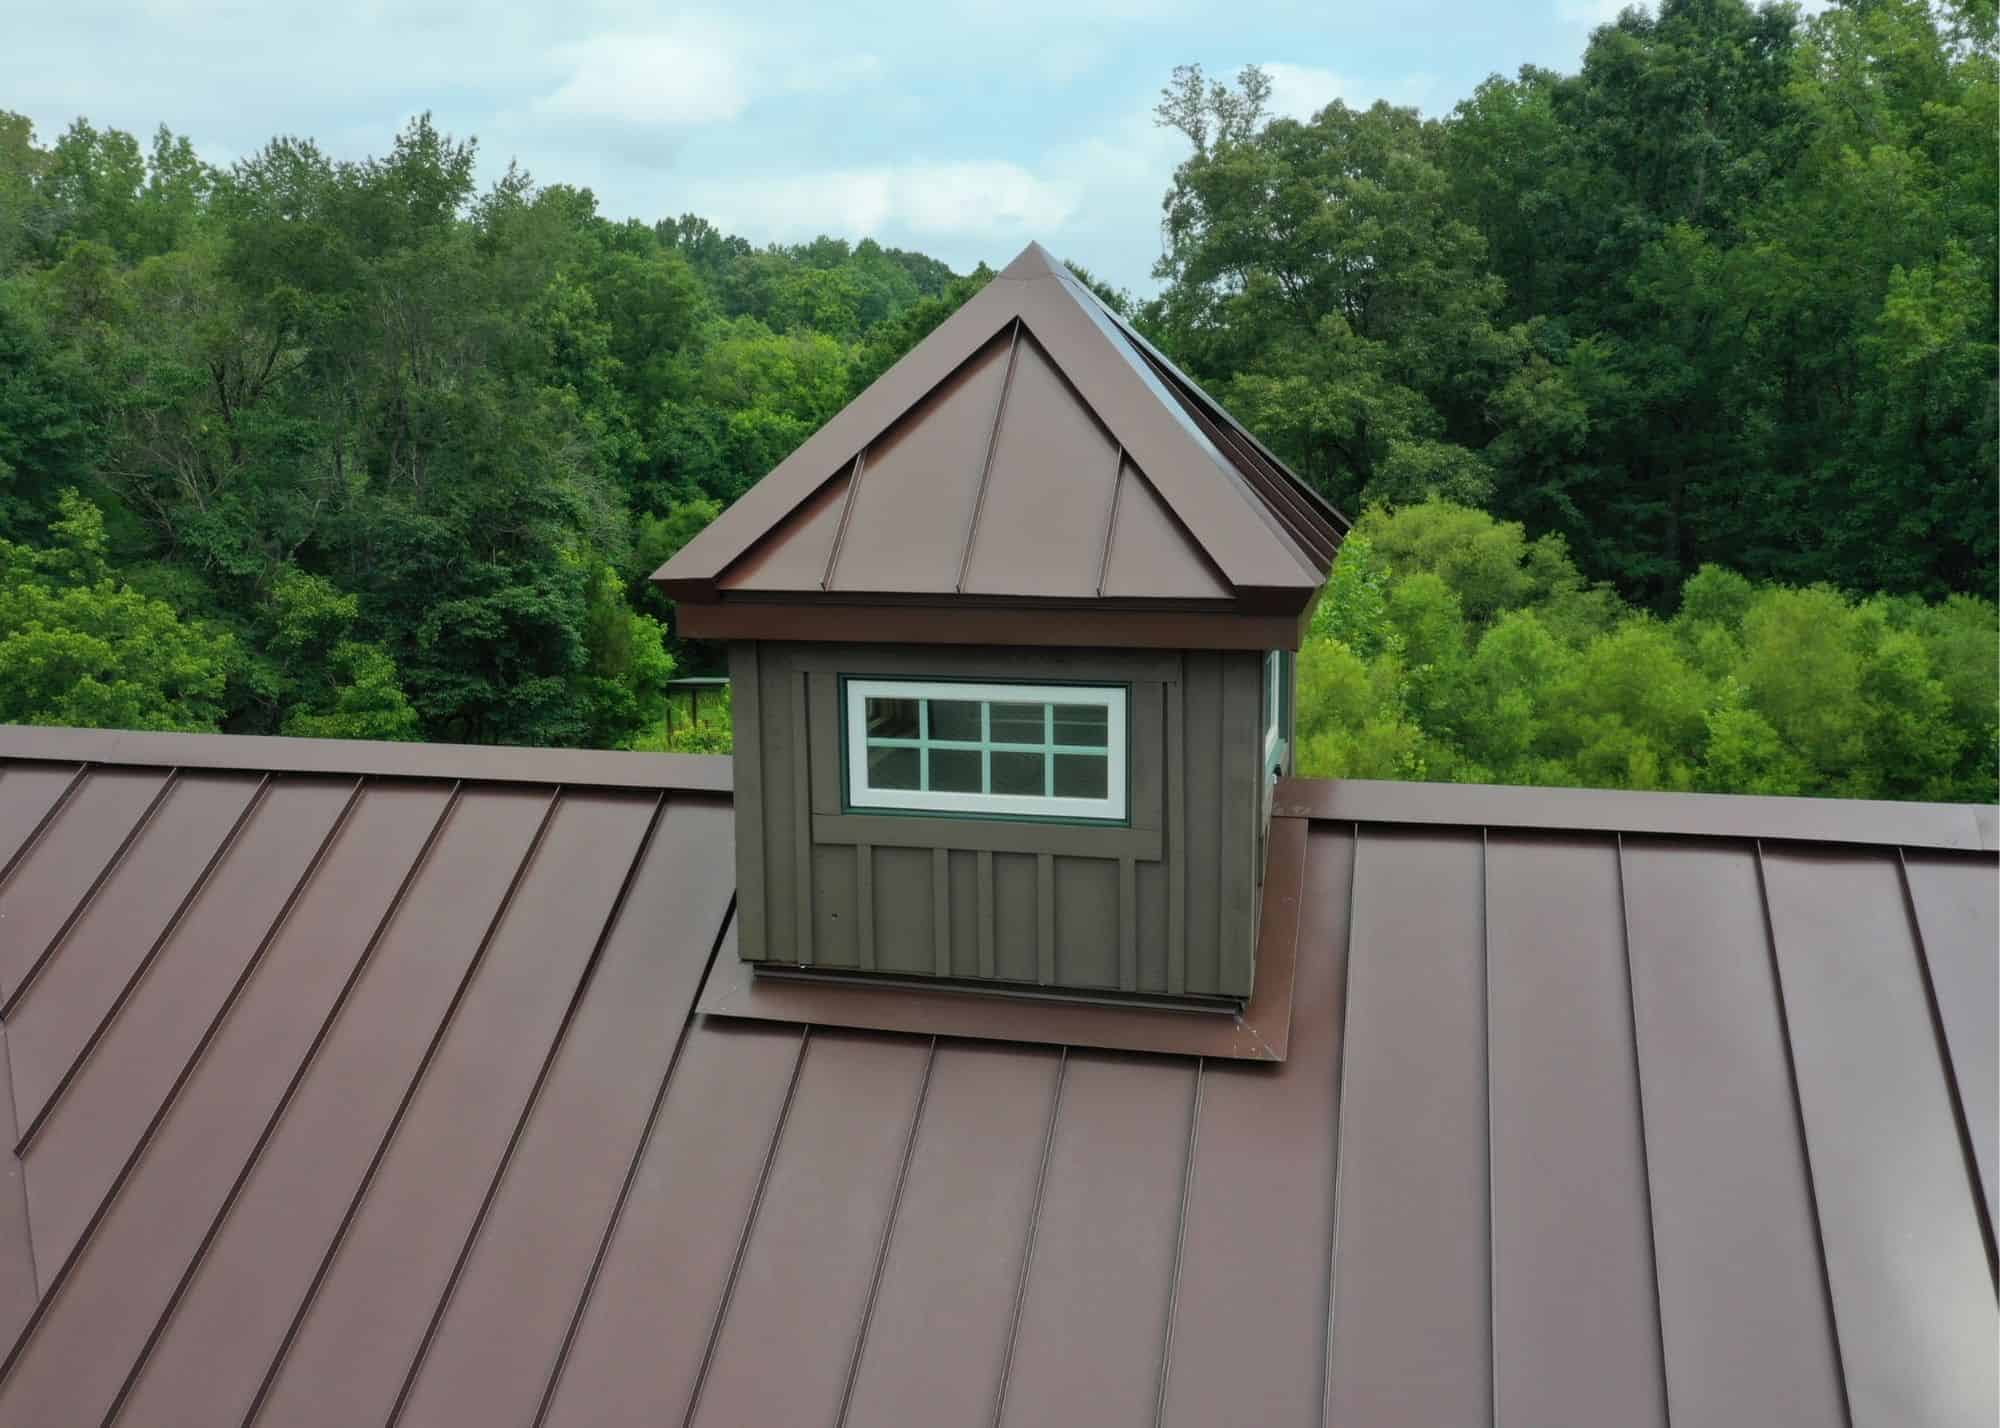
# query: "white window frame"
1110, 808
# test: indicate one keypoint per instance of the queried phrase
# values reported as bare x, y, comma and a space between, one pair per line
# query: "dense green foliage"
353, 449
1450, 646
1725, 296
356, 449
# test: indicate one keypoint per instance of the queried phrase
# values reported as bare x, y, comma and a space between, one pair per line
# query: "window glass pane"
1018, 773
1082, 724
892, 768
1081, 775
954, 770
892, 719
955, 719
1018, 724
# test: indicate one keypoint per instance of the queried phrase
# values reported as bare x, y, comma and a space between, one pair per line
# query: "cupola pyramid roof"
1033, 450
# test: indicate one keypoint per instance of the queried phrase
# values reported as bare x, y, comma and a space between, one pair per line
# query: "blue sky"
959, 129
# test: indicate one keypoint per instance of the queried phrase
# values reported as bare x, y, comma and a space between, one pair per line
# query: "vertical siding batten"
802, 817
780, 748
1128, 925
1241, 755
1176, 837
1201, 730
747, 768
941, 909
823, 708
864, 906
985, 857
1045, 918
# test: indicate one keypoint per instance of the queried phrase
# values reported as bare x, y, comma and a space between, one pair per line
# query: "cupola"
1010, 645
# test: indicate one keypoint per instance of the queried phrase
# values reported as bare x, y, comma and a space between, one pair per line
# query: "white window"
1011, 750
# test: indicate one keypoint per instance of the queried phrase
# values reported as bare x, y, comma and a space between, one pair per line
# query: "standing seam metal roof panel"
393, 1263
1743, 1316
1621, 1118
239, 1304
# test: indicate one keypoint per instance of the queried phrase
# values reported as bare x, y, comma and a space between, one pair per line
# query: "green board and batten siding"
1164, 905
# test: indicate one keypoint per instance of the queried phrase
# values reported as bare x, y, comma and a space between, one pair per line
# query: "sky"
962, 130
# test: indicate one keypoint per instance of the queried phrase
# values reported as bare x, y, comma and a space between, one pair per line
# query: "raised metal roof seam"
986, 456
1113, 330
721, 1315
1180, 1244
473, 1235
1141, 371
554, 1378
396, 1119
1486, 1037
1110, 520
888, 1236
1028, 1247
1645, 1142
854, 471
21, 1187
1329, 1320
1943, 1040
51, 1290
14, 994
1775, 963
131, 984
42, 824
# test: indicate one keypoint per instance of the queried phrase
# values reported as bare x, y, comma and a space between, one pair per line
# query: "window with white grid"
1010, 750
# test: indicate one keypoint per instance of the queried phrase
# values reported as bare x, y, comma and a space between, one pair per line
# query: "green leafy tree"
1449, 646
79, 647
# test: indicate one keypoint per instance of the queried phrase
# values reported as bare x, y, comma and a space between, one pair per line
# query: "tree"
1449, 646
78, 647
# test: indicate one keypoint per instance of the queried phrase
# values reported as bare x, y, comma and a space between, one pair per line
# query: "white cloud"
687, 73
1603, 12
1596, 12
1299, 91
928, 198
692, 70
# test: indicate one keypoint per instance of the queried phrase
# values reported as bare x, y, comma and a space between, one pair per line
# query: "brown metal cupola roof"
1033, 472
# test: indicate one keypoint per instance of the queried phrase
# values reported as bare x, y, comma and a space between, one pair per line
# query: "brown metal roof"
342, 1093
1034, 453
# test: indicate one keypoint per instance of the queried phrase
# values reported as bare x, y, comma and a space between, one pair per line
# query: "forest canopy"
1665, 391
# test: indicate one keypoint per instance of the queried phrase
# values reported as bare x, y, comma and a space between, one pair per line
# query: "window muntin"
1010, 750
